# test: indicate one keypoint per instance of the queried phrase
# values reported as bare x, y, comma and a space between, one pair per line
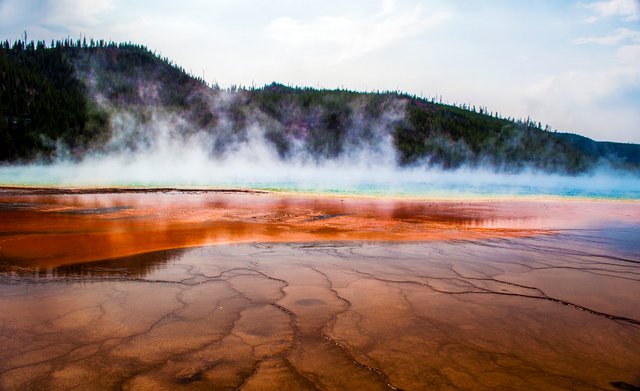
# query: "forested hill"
68, 99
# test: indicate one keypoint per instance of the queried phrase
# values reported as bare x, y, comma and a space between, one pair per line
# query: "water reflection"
46, 231
129, 267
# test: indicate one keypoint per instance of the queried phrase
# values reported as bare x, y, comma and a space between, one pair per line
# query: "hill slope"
78, 99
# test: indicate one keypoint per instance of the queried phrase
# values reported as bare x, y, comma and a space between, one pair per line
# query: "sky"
574, 65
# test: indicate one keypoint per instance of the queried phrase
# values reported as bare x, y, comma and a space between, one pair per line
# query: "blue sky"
574, 65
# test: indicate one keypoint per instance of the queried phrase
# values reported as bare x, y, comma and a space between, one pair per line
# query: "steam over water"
195, 170
158, 154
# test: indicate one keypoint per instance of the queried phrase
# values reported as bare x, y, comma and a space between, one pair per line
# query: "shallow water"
316, 293
326, 178
491, 186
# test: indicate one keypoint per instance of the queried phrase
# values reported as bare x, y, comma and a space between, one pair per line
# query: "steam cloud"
160, 148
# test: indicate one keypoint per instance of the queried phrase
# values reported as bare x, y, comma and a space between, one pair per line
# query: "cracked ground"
485, 296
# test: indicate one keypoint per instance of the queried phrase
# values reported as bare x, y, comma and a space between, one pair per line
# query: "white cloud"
579, 100
630, 56
342, 37
628, 10
52, 15
76, 13
16, 15
619, 36
10, 10
578, 87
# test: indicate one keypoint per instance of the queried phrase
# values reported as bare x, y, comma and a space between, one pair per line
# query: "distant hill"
77, 98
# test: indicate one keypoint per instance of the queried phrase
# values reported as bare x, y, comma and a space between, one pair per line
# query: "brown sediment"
432, 315
330, 293
30, 190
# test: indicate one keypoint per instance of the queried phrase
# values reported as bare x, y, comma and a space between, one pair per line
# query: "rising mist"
148, 123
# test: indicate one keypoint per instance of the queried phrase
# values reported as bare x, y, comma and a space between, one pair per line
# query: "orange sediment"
484, 294
54, 229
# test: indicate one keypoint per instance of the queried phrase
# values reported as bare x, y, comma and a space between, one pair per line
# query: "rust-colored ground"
114, 290
50, 230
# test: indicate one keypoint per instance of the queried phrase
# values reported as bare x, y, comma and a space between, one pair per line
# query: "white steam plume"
165, 150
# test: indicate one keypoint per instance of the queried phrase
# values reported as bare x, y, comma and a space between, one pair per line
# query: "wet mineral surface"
252, 291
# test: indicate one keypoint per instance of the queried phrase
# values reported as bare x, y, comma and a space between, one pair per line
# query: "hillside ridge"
75, 98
